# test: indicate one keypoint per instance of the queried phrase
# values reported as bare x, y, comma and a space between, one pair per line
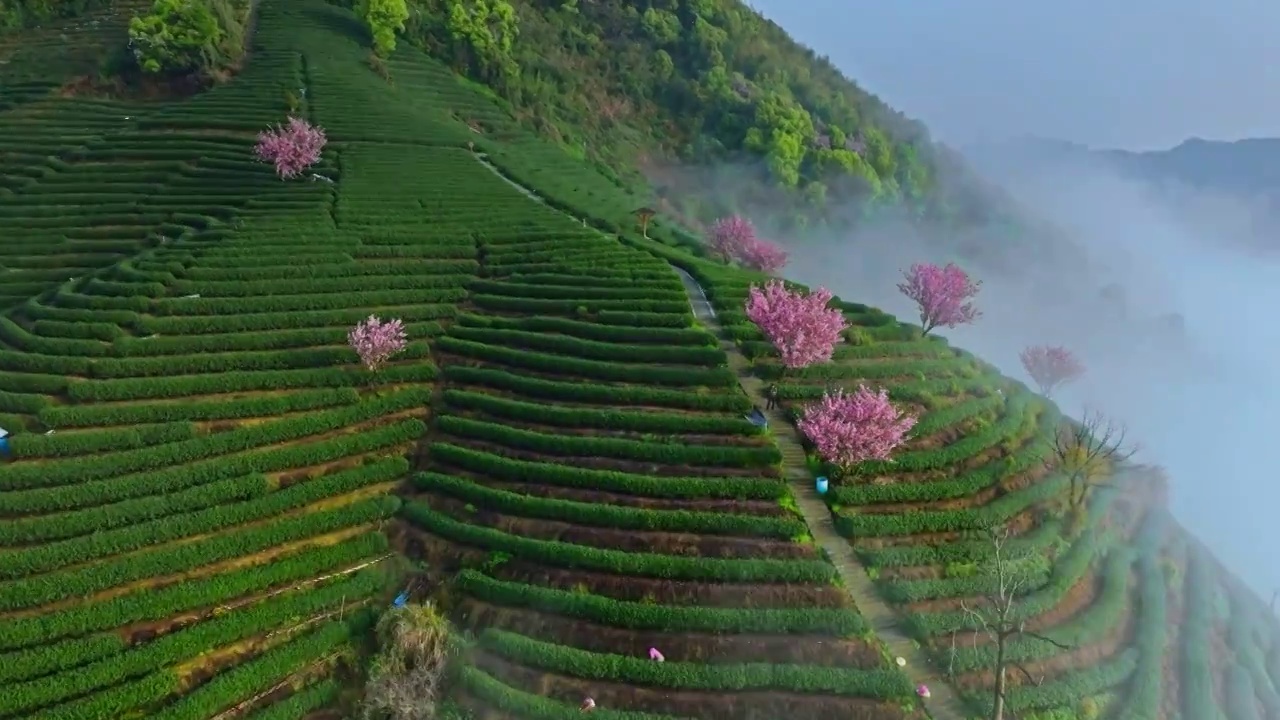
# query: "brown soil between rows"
284, 689
227, 397
713, 441
946, 436
760, 508
689, 367
728, 705
155, 583
1000, 488
969, 464
445, 359
635, 467
635, 541
571, 404
849, 382
445, 557
147, 630
1079, 596
366, 426
221, 533
1018, 524
682, 646
1065, 661
286, 478
770, 365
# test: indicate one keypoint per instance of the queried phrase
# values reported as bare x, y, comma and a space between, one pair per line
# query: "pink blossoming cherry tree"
944, 295
849, 428
764, 256
730, 234
292, 147
1050, 366
735, 238
376, 341
800, 326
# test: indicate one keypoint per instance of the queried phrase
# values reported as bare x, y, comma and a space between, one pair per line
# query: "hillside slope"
710, 102
207, 499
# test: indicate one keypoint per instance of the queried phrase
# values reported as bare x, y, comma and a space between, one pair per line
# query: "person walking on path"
771, 397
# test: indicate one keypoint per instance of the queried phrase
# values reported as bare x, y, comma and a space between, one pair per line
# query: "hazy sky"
1136, 75
1143, 74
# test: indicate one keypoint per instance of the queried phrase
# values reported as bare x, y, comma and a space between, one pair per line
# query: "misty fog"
1201, 405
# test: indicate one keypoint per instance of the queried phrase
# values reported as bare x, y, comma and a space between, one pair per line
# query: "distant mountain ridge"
1228, 189
1251, 165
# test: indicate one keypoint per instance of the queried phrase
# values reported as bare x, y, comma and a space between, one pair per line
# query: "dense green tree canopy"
16, 14
188, 36
701, 82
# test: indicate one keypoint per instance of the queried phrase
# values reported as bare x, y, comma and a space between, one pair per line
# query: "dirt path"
944, 703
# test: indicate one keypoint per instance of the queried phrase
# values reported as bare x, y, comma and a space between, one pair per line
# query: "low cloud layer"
1202, 404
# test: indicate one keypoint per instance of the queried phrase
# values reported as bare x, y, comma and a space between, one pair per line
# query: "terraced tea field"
1105, 600
206, 496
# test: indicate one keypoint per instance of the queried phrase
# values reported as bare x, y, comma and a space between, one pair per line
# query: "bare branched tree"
1087, 452
404, 682
996, 614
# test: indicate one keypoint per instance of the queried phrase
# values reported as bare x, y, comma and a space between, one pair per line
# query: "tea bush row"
647, 617
93, 493
24, 562
209, 446
618, 517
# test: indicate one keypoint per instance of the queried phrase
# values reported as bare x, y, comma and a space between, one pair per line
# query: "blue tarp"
757, 418
401, 599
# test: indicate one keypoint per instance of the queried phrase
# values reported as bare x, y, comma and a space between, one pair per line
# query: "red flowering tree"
1050, 366
944, 295
376, 341
800, 326
292, 147
764, 256
729, 235
848, 428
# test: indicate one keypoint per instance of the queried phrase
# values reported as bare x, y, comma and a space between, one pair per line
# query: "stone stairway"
944, 703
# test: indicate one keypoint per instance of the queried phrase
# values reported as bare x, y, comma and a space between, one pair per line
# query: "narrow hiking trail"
944, 703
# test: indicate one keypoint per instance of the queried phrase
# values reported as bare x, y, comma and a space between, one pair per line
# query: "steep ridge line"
944, 703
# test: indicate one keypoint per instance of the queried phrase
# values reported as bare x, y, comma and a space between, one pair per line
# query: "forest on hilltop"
663, 84
656, 93
18, 14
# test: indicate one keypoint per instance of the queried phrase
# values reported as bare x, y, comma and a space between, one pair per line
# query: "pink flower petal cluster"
1050, 366
800, 326
292, 148
376, 341
848, 428
734, 238
944, 295
764, 256
730, 234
